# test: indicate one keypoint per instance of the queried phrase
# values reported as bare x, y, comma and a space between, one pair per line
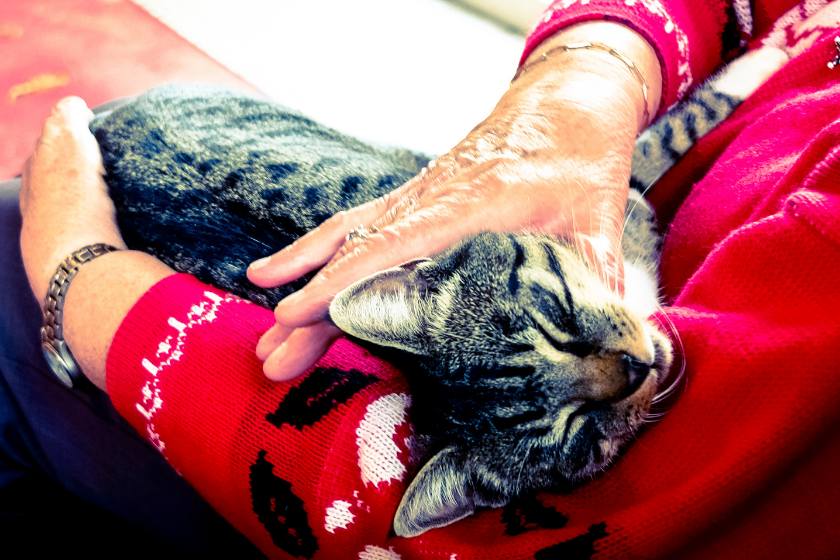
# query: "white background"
415, 73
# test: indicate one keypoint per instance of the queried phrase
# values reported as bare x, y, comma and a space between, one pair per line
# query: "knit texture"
742, 466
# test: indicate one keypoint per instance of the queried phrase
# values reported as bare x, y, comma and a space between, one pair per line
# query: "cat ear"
442, 493
389, 308
439, 495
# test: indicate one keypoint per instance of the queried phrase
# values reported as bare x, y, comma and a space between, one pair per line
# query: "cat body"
526, 372
192, 168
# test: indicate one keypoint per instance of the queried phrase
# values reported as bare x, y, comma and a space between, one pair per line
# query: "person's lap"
78, 439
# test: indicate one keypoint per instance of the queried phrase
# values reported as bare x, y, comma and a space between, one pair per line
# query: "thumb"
601, 245
74, 111
604, 253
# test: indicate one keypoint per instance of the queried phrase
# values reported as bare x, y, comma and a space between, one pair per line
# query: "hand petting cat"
554, 156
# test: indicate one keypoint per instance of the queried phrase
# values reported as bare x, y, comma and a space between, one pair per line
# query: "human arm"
552, 157
65, 207
181, 369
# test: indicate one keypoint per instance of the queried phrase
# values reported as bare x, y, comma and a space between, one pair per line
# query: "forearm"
65, 206
99, 298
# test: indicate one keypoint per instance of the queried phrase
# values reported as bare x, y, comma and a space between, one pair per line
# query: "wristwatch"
58, 355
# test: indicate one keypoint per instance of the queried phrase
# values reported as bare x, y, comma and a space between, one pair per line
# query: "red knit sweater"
743, 466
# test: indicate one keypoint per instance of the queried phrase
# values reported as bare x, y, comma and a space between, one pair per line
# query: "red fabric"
183, 372
743, 466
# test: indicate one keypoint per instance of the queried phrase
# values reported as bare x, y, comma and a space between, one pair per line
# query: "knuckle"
343, 251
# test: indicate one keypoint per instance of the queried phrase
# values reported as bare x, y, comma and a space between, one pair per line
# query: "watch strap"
55, 349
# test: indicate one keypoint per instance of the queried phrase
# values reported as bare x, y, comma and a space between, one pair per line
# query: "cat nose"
636, 372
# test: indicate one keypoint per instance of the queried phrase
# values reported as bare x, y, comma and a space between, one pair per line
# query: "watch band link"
55, 349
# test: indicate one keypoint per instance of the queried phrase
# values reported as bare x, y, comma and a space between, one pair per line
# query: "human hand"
552, 157
63, 199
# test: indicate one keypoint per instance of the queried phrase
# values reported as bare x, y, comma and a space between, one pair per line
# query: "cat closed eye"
579, 348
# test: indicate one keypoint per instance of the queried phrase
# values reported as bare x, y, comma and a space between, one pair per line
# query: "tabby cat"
526, 372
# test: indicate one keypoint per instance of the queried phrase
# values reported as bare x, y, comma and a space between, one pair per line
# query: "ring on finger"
361, 232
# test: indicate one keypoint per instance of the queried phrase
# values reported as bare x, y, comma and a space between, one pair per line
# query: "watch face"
57, 365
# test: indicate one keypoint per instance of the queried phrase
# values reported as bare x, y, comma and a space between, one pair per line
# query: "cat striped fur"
665, 142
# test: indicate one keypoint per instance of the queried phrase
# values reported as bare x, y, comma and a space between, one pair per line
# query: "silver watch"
58, 355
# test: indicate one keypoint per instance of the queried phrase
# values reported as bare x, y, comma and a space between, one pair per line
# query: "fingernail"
259, 263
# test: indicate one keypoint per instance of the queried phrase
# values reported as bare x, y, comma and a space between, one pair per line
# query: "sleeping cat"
526, 372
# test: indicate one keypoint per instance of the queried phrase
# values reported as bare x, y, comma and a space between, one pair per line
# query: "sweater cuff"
658, 22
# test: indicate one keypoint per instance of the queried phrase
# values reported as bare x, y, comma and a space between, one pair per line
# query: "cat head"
527, 372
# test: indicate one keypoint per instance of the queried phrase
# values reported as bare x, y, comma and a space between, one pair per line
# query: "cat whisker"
258, 242
459, 337
680, 381
524, 441
629, 212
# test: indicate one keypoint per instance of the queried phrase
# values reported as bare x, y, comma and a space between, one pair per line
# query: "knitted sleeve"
312, 466
691, 37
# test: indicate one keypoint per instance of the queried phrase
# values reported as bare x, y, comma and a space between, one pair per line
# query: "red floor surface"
103, 48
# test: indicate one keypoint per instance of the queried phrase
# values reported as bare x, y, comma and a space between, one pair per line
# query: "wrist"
610, 68
55, 348
42, 259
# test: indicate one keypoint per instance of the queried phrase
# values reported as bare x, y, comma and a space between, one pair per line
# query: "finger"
417, 236
66, 134
271, 340
315, 248
70, 115
300, 351
320, 245
25, 174
75, 116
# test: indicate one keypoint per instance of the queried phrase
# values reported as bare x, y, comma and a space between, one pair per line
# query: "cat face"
528, 371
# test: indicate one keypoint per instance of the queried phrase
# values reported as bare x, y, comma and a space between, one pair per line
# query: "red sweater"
743, 466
